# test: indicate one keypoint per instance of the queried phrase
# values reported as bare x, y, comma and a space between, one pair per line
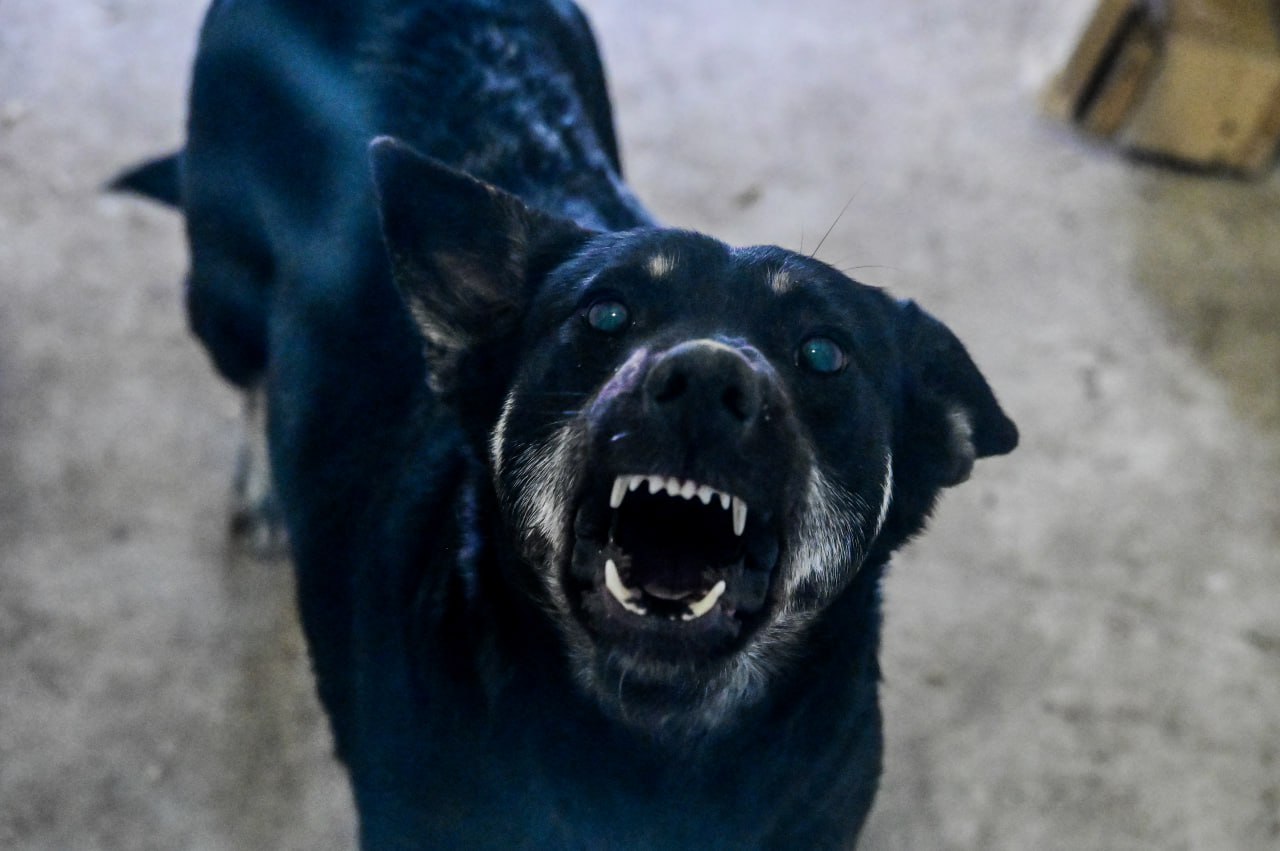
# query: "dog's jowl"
589, 515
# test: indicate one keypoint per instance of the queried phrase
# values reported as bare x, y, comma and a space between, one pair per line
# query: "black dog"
589, 515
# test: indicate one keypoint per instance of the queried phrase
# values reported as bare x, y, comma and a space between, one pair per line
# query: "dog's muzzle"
677, 531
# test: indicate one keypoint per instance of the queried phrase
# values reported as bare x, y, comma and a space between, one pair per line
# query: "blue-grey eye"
608, 315
821, 355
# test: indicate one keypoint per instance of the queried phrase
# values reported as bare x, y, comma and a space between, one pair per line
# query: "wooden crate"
1192, 80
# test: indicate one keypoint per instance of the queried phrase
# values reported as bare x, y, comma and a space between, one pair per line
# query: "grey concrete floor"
1083, 653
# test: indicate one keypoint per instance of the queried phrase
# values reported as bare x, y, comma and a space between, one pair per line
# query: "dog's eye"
608, 315
821, 355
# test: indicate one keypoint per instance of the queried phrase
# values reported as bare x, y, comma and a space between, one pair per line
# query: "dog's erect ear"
159, 179
952, 417
463, 253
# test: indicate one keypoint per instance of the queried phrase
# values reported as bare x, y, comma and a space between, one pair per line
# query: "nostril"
673, 388
736, 402
704, 385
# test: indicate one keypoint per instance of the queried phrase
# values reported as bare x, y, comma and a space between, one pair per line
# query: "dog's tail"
159, 179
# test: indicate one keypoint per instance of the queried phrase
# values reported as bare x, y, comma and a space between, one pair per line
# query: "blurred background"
1083, 652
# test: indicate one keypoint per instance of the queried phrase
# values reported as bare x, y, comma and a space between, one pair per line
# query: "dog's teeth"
621, 592
635, 483
701, 607
656, 483
724, 500
739, 516
705, 493
613, 581
619, 491
689, 489
673, 487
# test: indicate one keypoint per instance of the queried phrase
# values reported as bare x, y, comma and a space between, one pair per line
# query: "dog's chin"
668, 582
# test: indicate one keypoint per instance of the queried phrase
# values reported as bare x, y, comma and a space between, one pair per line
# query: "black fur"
159, 179
447, 415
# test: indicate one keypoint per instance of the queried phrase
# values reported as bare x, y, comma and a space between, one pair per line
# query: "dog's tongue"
662, 592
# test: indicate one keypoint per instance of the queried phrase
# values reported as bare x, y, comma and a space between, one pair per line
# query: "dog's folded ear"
464, 254
951, 415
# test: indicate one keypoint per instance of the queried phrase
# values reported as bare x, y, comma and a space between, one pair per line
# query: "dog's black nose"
705, 383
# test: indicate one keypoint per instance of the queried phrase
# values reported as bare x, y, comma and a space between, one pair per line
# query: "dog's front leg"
256, 522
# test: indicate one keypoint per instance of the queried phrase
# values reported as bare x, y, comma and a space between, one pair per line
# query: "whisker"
849, 269
839, 216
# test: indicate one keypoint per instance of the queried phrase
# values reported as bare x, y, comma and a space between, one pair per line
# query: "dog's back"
286, 95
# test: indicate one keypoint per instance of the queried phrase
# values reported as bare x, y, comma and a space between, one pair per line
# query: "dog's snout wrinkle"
708, 380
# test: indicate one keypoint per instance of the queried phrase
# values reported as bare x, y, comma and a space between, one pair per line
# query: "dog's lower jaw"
683, 700
680, 702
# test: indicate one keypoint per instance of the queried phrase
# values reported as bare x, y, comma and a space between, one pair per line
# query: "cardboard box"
1193, 80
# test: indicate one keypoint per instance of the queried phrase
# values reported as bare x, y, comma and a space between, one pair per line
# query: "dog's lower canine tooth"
739, 516
621, 592
619, 491
701, 607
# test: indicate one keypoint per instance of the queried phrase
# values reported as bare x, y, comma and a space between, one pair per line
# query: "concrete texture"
1083, 653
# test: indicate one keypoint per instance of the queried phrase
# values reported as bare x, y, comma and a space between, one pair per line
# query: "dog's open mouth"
662, 557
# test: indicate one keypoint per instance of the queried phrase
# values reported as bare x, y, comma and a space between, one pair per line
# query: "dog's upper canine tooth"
619, 491
739, 516
701, 607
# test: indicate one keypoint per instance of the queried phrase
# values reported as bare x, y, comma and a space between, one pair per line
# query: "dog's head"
695, 447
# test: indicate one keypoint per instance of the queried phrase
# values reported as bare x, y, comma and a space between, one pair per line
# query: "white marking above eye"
660, 265
780, 281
